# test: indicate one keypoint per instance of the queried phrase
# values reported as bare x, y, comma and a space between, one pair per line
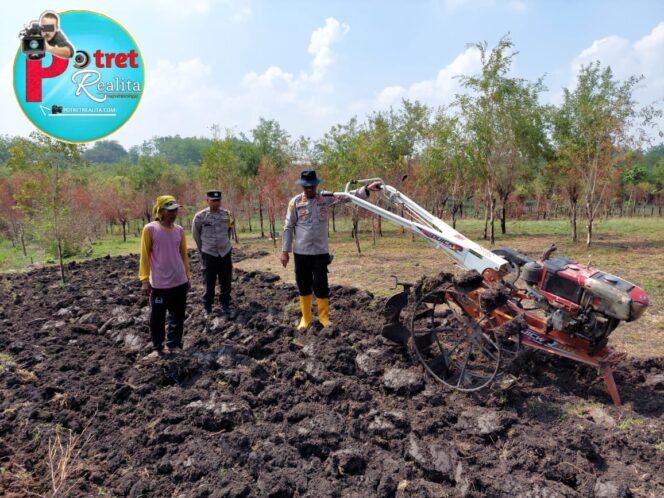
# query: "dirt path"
252, 408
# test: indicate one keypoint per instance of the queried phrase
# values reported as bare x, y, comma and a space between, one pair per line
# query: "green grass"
12, 258
629, 423
579, 409
645, 232
291, 309
114, 246
6, 361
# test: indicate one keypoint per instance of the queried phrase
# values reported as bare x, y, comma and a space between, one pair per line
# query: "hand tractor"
462, 328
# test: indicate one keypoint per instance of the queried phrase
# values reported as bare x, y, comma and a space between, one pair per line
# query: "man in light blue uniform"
305, 234
211, 229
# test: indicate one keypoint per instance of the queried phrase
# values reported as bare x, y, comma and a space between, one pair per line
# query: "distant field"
632, 248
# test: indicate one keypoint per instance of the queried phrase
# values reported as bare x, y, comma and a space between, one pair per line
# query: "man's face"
169, 215
47, 21
214, 204
310, 192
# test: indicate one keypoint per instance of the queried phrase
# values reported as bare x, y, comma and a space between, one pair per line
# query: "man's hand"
284, 259
375, 186
146, 287
62, 52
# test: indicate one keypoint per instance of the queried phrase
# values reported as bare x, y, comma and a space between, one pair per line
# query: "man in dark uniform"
56, 42
305, 233
211, 229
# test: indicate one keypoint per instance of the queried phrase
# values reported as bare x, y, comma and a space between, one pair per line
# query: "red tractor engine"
582, 301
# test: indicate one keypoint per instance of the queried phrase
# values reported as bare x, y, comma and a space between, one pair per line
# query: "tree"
180, 150
504, 124
12, 219
50, 198
272, 142
115, 199
274, 191
341, 155
596, 122
105, 151
446, 165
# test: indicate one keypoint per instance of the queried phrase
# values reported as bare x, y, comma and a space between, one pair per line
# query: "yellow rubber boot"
305, 308
324, 312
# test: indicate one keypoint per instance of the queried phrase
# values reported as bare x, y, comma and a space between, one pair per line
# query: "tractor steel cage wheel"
451, 346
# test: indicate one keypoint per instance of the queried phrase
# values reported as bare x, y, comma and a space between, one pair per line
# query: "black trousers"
217, 267
311, 274
173, 301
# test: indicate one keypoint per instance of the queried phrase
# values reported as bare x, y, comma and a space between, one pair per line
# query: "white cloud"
240, 10
643, 57
611, 50
625, 58
179, 98
182, 97
274, 78
390, 95
438, 90
649, 48
321, 46
296, 98
518, 6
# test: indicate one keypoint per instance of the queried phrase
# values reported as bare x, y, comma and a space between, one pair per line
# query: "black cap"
308, 178
213, 194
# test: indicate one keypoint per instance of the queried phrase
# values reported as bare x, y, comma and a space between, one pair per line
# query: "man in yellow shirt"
164, 274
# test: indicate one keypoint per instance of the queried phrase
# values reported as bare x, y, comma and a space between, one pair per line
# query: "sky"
313, 64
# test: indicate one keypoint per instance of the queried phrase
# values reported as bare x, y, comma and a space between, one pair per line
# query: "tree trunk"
260, 217
124, 230
492, 205
62, 265
334, 221
355, 231
25, 253
503, 214
572, 219
589, 212
273, 230
374, 229
486, 220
